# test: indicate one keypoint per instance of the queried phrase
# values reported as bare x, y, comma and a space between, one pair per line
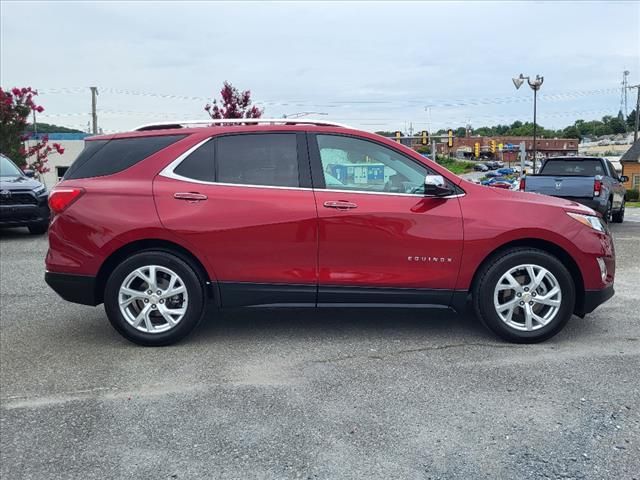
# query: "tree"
15, 107
631, 119
50, 128
233, 104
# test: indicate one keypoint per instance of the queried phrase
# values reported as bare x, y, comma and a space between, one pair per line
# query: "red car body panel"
247, 234
287, 236
389, 240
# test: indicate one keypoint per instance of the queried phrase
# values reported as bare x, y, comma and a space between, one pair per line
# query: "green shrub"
633, 195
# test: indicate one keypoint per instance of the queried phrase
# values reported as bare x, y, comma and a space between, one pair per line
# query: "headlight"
588, 220
40, 190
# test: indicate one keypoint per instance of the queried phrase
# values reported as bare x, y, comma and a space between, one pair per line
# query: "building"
73, 143
630, 162
463, 147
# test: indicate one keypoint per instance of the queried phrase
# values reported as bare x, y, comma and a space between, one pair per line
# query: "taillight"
522, 184
597, 188
61, 198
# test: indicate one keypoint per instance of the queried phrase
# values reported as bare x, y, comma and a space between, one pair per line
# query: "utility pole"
635, 132
94, 112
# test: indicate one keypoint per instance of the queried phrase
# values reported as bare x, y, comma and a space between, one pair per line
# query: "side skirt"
247, 294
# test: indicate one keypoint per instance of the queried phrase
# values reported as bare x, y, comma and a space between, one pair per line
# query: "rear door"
381, 240
244, 201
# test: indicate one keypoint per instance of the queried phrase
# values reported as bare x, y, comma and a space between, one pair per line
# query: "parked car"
492, 165
502, 183
493, 174
162, 221
23, 199
506, 171
480, 167
591, 181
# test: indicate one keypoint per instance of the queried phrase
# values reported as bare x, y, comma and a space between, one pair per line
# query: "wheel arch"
546, 246
117, 256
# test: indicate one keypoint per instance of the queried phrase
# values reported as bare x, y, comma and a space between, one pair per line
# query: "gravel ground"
315, 394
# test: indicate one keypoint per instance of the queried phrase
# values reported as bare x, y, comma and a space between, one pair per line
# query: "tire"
154, 319
618, 217
486, 295
38, 229
608, 213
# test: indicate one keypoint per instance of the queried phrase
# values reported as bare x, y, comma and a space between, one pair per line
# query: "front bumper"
74, 288
593, 299
23, 215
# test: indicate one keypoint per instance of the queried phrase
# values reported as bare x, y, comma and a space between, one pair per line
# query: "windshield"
573, 168
8, 168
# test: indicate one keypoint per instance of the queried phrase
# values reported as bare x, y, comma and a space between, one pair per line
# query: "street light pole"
535, 86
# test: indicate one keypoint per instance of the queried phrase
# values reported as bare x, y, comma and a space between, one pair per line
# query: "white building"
73, 143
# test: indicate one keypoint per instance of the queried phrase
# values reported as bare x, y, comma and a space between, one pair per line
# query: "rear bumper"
23, 215
594, 298
73, 288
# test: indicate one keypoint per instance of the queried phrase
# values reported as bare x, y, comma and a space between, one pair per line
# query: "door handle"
340, 204
190, 196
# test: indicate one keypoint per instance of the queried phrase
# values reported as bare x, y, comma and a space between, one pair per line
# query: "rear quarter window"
106, 157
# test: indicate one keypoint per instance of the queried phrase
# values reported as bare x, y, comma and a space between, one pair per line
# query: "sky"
372, 65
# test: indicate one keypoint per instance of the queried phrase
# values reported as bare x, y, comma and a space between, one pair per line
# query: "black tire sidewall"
195, 291
486, 308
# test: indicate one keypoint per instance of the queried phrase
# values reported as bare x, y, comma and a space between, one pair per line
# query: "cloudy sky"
375, 65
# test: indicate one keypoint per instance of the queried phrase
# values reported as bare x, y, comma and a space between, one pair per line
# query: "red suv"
159, 222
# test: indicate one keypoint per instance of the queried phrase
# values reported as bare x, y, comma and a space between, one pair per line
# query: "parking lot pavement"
314, 394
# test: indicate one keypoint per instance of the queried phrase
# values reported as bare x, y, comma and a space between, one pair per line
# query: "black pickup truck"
592, 181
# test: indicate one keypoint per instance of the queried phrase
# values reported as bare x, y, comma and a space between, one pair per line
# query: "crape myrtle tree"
15, 107
233, 104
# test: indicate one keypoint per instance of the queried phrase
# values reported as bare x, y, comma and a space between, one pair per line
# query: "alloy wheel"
527, 297
153, 299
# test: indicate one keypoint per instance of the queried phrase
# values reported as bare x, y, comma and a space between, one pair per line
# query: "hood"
535, 199
539, 199
19, 183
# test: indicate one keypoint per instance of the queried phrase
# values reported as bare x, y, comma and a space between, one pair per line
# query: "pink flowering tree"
233, 104
15, 107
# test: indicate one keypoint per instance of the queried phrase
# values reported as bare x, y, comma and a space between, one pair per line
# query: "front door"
380, 239
240, 200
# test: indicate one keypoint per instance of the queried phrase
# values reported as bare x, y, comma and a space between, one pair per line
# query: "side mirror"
29, 173
435, 186
624, 179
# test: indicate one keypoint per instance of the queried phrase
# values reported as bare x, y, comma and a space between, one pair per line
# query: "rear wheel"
525, 295
154, 298
618, 217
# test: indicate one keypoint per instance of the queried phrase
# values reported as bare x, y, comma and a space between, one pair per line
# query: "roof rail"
239, 121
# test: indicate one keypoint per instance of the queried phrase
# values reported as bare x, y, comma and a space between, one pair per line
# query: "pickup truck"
591, 181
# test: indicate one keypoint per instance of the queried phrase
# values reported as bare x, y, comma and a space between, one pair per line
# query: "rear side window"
106, 157
258, 159
199, 164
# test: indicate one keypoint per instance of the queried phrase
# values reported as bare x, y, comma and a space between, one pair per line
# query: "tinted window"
8, 168
106, 157
573, 168
612, 169
199, 164
354, 164
258, 159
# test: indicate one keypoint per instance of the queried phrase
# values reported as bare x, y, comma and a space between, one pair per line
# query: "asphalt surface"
327, 394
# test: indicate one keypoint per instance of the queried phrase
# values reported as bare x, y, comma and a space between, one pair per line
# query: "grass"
455, 166
633, 204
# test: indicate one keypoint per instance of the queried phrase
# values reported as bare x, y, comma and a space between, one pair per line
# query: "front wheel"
38, 229
525, 295
618, 217
154, 298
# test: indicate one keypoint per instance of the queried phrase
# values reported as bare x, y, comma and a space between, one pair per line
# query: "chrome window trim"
168, 172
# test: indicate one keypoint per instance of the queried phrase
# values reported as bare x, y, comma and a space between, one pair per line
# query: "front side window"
269, 159
353, 164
